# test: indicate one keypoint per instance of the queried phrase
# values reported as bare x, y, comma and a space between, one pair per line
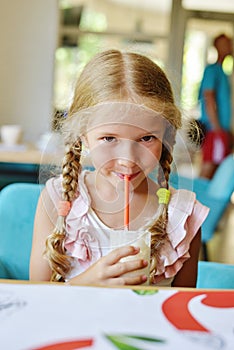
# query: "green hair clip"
163, 195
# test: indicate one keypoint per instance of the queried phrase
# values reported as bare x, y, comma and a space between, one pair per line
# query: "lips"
130, 176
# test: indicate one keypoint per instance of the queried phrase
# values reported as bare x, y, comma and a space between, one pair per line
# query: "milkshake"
141, 239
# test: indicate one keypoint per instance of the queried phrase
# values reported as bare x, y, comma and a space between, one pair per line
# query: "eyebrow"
105, 133
151, 132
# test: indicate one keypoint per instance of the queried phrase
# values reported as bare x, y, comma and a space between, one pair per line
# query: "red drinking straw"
126, 199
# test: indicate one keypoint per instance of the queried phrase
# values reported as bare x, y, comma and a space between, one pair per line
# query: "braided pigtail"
159, 228
61, 263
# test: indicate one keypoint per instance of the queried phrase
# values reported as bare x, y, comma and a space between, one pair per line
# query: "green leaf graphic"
120, 344
124, 341
145, 291
149, 339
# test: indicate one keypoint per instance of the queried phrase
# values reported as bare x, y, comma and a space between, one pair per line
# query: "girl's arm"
44, 224
187, 276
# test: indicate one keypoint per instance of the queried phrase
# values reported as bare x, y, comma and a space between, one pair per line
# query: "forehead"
124, 114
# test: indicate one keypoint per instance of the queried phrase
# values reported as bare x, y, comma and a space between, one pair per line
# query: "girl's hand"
109, 270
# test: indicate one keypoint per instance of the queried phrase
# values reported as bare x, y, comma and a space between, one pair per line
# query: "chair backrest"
214, 193
221, 185
215, 275
217, 196
18, 202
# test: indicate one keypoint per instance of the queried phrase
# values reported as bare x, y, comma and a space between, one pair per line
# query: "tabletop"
51, 316
28, 153
24, 153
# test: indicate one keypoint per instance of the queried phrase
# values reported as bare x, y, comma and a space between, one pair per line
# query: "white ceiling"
210, 5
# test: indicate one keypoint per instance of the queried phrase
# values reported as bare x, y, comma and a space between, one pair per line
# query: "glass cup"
141, 239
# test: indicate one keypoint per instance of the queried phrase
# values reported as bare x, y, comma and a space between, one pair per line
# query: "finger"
127, 280
122, 268
115, 255
136, 280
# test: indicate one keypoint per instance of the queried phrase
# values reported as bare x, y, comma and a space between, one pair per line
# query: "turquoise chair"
18, 202
215, 194
214, 275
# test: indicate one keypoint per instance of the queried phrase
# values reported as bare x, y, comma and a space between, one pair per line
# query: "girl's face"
131, 146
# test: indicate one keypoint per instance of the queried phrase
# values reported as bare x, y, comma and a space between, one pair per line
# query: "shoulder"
54, 184
185, 216
212, 66
54, 189
185, 212
181, 199
211, 71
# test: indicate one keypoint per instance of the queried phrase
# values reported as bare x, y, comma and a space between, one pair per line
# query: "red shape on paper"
219, 299
175, 308
68, 345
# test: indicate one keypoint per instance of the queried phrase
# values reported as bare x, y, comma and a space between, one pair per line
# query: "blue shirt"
215, 79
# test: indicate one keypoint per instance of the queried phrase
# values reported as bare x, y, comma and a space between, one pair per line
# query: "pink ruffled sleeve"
79, 242
185, 217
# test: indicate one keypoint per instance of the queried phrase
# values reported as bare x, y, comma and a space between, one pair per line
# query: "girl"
123, 112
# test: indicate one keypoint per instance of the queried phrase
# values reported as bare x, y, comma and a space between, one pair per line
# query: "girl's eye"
148, 138
109, 139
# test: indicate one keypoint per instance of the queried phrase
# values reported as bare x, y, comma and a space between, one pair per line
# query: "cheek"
100, 156
153, 154
158, 152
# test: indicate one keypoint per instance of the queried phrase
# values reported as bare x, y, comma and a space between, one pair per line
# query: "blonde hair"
116, 76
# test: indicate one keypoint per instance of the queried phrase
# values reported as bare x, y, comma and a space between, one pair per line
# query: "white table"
54, 316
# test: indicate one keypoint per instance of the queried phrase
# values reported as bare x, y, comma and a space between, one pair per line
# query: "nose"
127, 155
126, 163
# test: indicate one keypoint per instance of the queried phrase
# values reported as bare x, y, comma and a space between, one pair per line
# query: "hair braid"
159, 228
61, 263
71, 171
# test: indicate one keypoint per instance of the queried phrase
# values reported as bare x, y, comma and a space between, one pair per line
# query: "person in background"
123, 112
216, 110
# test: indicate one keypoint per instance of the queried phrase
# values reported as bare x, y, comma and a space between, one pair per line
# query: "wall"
28, 37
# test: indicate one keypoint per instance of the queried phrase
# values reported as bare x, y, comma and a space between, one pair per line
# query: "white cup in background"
11, 134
